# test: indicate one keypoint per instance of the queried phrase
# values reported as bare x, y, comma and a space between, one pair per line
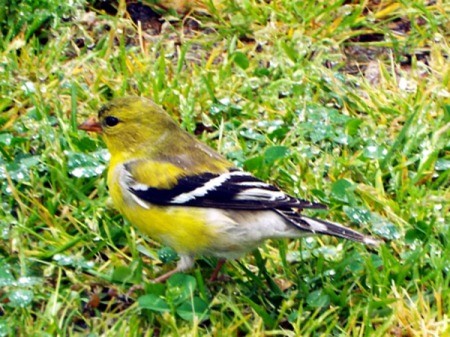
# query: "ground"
346, 103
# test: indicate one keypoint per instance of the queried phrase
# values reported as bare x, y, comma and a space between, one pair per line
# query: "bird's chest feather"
182, 228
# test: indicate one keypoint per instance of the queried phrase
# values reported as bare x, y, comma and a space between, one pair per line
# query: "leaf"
358, 215
413, 235
318, 299
6, 138
384, 228
180, 288
191, 309
71, 260
86, 144
153, 302
352, 126
182, 281
167, 254
225, 106
341, 190
253, 164
20, 298
374, 151
252, 135
241, 60
260, 72
320, 194
274, 153
446, 108
6, 276
5, 327
379, 225
157, 289
84, 165
290, 51
122, 274
442, 164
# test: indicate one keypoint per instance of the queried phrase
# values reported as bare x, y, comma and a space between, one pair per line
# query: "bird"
181, 192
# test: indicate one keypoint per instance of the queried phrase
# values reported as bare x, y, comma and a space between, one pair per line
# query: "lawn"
346, 103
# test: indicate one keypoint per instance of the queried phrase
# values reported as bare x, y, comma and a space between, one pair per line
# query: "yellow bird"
179, 191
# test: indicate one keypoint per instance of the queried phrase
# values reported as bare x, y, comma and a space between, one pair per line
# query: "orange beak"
91, 125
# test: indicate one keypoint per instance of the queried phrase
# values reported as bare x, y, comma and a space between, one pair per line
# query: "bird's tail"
317, 226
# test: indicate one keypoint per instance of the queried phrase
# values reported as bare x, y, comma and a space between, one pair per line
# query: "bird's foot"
215, 274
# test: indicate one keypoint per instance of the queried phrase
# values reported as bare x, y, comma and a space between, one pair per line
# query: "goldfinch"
179, 191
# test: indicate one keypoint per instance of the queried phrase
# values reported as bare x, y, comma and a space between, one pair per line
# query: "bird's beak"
91, 125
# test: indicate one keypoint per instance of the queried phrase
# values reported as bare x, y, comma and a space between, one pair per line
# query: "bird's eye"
111, 121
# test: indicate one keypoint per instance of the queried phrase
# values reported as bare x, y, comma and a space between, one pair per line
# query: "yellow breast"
182, 228
178, 227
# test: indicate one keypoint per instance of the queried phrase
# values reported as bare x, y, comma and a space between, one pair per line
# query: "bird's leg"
186, 262
133, 289
216, 271
165, 276
159, 279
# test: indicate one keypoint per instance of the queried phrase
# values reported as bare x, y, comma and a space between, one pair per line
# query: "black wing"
231, 190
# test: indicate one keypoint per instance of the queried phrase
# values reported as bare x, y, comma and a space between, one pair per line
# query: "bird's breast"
185, 229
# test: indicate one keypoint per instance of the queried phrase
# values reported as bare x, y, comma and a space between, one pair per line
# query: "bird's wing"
318, 226
234, 189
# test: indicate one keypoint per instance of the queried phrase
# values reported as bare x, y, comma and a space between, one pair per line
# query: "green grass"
301, 94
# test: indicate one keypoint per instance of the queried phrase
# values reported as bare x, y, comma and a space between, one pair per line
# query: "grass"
345, 103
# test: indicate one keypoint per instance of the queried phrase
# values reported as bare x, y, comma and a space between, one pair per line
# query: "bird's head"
129, 123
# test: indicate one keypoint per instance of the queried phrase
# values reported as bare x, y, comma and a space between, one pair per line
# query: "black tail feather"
317, 226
